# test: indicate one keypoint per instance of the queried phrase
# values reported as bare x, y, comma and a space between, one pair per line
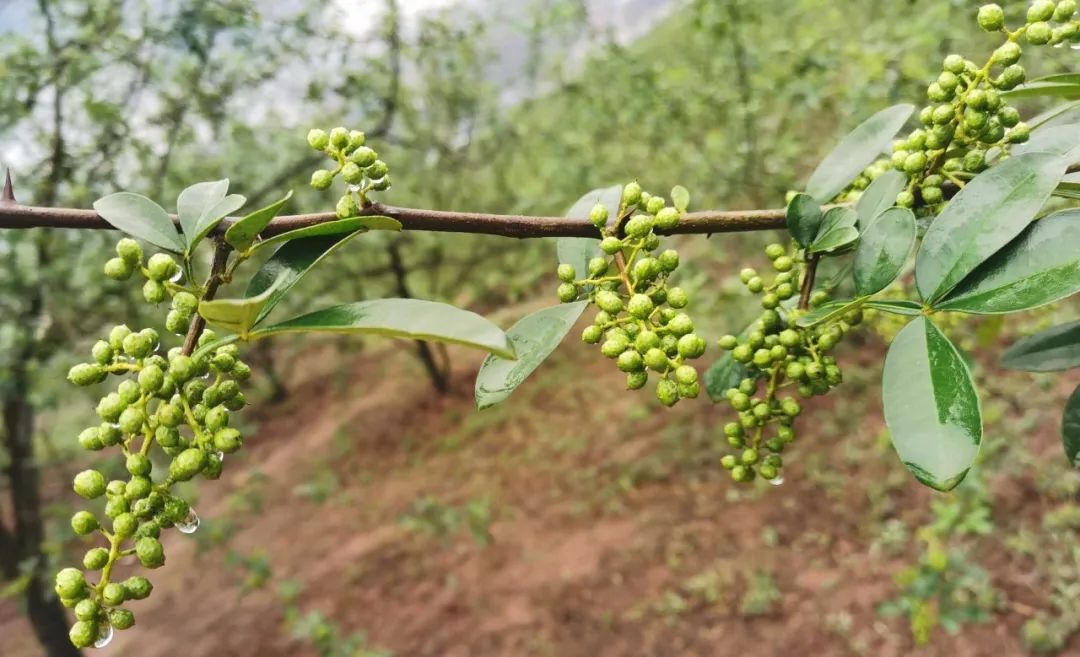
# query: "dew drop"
105, 637
776, 481
221, 456
177, 276
189, 524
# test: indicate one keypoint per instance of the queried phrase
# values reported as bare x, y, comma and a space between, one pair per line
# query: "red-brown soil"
606, 506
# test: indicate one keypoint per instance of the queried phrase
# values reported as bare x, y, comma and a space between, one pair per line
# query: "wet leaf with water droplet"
931, 406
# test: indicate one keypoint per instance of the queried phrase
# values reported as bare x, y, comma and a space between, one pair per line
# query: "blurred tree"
106, 94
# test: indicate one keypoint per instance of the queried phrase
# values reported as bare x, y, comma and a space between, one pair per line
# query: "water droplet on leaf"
776, 481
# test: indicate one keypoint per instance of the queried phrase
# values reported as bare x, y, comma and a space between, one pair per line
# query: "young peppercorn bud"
377, 169
150, 552
95, 558
187, 464
346, 207
83, 523
1065, 10
991, 17
129, 251
566, 273
339, 137
667, 392
85, 374
598, 216
1040, 10
121, 619
363, 157
137, 587
160, 267
1039, 33
352, 173
321, 179
118, 269
667, 219
83, 634
89, 484
113, 594
318, 139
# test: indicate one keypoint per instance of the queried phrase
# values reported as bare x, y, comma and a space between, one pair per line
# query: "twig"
808, 281
217, 268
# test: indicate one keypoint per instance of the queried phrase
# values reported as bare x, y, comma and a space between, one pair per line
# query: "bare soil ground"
615, 531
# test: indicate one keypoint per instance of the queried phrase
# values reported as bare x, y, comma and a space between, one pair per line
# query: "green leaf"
896, 306
804, 217
931, 406
195, 202
1061, 78
534, 338
680, 198
837, 230
214, 215
241, 235
879, 197
1070, 428
883, 249
1069, 90
1069, 190
855, 152
1039, 267
140, 217
238, 315
724, 373
336, 227
1052, 350
1054, 115
829, 311
577, 251
412, 319
986, 215
289, 264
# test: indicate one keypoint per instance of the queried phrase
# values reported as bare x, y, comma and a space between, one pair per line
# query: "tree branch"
13, 215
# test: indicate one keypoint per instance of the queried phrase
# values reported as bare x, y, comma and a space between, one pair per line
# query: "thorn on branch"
9, 193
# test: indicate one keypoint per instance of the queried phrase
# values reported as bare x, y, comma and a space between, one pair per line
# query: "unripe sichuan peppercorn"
629, 286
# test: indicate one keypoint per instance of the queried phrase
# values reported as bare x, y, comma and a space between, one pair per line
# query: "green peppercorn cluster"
640, 324
966, 118
358, 165
777, 353
178, 401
